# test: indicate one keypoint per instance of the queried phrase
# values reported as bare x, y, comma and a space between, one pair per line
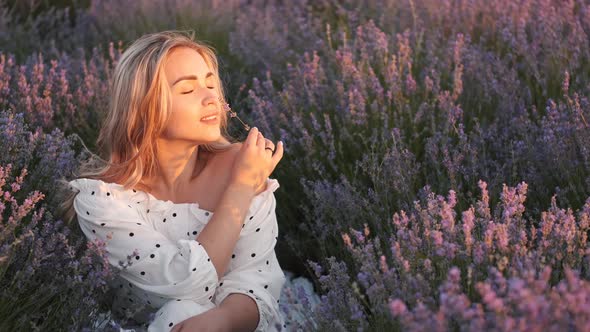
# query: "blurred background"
436, 168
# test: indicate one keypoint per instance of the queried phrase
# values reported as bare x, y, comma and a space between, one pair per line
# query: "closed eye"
187, 92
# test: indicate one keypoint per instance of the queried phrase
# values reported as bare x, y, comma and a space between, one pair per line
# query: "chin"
212, 138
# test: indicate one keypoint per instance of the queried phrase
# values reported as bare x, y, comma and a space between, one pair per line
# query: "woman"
187, 213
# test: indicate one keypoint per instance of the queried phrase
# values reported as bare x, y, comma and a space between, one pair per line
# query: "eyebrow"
190, 77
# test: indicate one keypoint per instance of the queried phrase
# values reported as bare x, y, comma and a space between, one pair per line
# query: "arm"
221, 233
171, 269
255, 271
241, 312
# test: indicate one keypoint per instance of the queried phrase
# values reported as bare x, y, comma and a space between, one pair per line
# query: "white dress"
167, 272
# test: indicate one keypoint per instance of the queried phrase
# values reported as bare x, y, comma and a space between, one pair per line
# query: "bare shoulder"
227, 159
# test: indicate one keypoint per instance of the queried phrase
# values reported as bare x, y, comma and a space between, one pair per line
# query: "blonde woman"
187, 213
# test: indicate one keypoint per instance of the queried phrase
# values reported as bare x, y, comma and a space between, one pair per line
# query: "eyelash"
186, 93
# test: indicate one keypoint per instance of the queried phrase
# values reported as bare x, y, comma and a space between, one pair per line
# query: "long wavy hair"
139, 108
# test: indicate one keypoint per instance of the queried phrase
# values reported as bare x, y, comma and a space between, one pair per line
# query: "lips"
209, 115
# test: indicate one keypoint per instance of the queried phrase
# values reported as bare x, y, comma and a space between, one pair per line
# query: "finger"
261, 142
252, 137
277, 155
268, 151
269, 144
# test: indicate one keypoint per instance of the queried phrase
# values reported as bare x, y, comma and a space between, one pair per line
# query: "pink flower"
468, 217
437, 237
397, 307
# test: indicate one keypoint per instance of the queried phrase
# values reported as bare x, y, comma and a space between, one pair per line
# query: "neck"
179, 165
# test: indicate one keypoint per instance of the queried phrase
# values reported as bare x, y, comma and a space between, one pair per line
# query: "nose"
210, 100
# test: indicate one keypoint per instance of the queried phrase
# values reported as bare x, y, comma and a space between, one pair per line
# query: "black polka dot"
93, 231
108, 194
164, 220
194, 269
266, 262
128, 205
137, 257
177, 299
210, 297
251, 217
92, 193
174, 214
206, 213
131, 234
103, 224
134, 190
157, 245
152, 256
233, 256
243, 225
257, 229
148, 211
208, 259
130, 285
253, 254
251, 291
194, 232
187, 233
220, 284
139, 223
149, 302
265, 286
142, 273
137, 202
170, 324
121, 286
206, 288
88, 213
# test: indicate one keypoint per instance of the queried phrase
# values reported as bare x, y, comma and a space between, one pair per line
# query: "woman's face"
193, 97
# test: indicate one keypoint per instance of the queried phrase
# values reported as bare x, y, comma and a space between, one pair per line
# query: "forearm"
222, 232
241, 312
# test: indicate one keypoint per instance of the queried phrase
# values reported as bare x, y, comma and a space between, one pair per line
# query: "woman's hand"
212, 320
254, 163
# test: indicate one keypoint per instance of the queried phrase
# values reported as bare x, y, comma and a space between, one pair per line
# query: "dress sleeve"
147, 259
254, 269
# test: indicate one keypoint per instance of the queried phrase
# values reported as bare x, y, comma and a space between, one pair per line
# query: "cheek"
180, 124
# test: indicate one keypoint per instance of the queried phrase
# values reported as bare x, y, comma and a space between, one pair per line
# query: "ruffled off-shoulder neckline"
118, 191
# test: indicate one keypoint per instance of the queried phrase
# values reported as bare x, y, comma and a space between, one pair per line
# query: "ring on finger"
269, 148
269, 145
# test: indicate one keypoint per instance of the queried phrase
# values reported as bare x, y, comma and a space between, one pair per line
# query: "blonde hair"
137, 114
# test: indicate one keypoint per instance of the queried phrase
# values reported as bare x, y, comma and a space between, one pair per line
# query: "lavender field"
436, 174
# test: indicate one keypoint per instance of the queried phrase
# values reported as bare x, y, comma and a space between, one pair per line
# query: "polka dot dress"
164, 269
